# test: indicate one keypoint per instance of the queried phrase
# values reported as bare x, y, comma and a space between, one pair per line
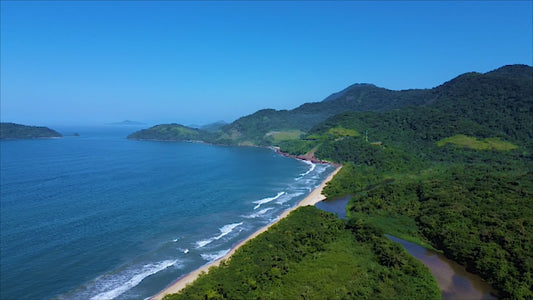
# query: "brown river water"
453, 280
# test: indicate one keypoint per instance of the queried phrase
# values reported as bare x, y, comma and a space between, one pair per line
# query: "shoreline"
314, 197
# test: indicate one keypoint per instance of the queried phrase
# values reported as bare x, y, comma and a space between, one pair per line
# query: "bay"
99, 216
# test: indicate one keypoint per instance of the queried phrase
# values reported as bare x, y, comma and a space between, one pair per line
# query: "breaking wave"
224, 230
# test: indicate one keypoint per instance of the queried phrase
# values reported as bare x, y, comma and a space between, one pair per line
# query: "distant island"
168, 132
127, 122
18, 131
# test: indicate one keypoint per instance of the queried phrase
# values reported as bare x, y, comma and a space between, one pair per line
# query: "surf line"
266, 200
314, 197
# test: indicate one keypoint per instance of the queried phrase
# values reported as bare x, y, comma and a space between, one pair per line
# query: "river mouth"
453, 279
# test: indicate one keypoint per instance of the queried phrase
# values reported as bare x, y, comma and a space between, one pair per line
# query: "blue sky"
80, 63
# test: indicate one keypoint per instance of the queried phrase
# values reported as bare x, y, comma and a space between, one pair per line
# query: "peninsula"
18, 131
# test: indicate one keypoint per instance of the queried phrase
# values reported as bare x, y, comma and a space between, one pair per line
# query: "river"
453, 280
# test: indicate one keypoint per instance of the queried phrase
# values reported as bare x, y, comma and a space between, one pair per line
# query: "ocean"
102, 217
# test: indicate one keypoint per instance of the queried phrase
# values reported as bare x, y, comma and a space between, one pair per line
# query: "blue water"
336, 206
101, 217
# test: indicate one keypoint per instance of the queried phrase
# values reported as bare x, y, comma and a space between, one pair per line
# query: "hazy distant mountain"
127, 122
18, 131
212, 127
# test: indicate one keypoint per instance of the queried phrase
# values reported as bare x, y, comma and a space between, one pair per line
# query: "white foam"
311, 169
202, 243
184, 250
288, 197
224, 230
175, 240
259, 213
214, 256
266, 200
121, 287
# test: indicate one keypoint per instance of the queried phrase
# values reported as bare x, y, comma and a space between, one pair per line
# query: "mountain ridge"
254, 129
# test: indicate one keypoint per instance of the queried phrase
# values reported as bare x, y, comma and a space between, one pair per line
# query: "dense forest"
314, 255
449, 168
456, 174
17, 131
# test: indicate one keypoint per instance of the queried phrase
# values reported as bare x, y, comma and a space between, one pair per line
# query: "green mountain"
17, 131
279, 127
261, 127
264, 127
456, 173
491, 105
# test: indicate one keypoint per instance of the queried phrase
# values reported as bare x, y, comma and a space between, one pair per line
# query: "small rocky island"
18, 131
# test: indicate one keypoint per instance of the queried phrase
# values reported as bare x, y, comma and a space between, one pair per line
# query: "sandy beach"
314, 197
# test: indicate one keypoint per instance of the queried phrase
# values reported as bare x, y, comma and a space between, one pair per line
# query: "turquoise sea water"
101, 217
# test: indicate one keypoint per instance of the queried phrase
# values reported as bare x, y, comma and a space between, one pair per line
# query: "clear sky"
94, 62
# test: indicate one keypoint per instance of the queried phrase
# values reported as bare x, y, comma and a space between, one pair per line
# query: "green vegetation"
413, 165
340, 132
170, 132
477, 215
475, 206
254, 128
461, 140
297, 147
17, 131
313, 255
287, 135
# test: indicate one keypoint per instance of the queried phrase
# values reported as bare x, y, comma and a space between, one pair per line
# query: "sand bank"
314, 197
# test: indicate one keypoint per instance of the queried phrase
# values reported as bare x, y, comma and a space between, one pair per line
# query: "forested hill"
275, 127
492, 105
168, 132
17, 131
268, 126
457, 173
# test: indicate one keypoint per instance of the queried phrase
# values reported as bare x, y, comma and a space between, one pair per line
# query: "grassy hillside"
17, 131
460, 140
